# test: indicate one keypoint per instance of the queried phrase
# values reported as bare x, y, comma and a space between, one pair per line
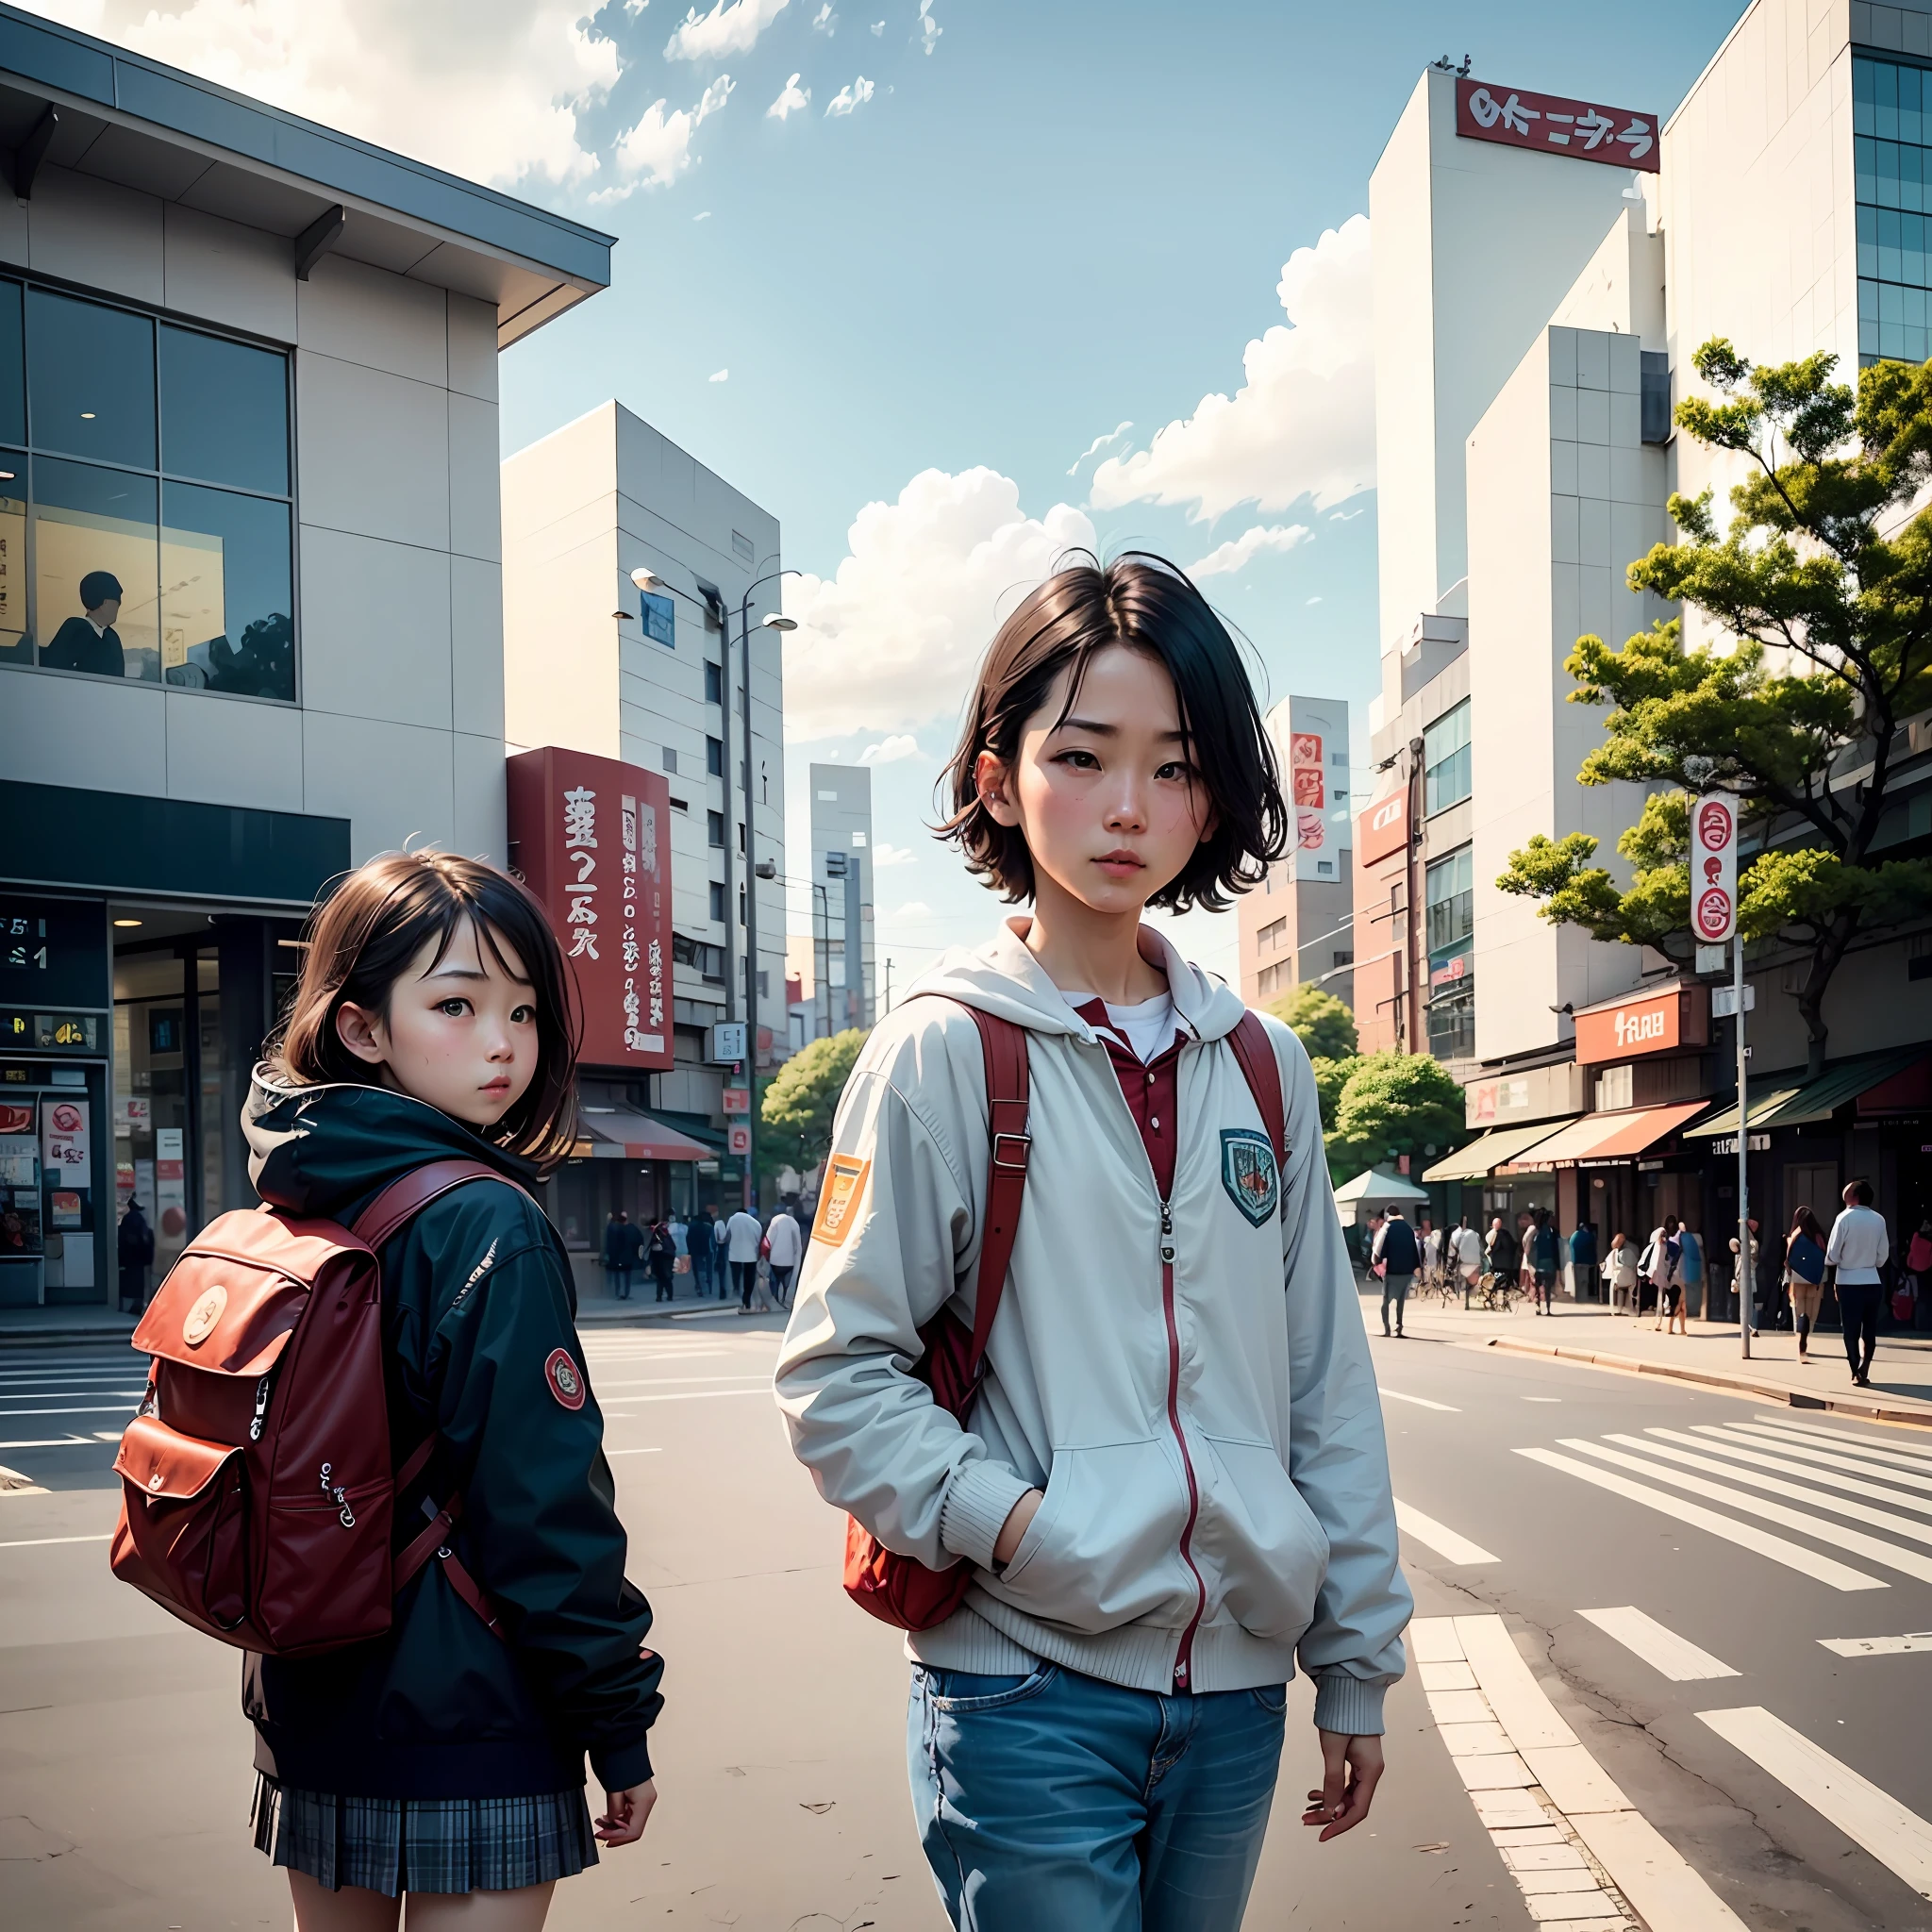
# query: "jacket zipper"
1183, 1663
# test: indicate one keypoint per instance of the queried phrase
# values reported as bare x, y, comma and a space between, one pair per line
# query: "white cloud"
658, 148
497, 102
885, 854
913, 909
703, 214
849, 99
1313, 602
889, 642
930, 30
1099, 443
890, 751
732, 26
793, 100
1343, 516
1228, 557
824, 20
879, 26
1304, 424
634, 8
719, 375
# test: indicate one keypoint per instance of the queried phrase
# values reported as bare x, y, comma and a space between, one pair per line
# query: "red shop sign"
1554, 124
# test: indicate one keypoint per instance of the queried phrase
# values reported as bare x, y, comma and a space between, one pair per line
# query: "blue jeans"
1056, 1803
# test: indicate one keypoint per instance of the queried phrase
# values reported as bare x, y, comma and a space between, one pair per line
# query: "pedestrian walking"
1428, 1240
1469, 1257
1544, 1250
1098, 1699
1500, 1251
620, 1253
1805, 1275
1690, 1276
661, 1256
1623, 1267
1400, 1254
743, 1237
1659, 1269
702, 1240
1919, 1274
680, 1242
784, 1246
1583, 1260
431, 1022
1856, 1253
135, 1248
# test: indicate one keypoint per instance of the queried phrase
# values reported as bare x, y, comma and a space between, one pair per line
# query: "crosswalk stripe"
1777, 1486
1670, 1655
1708, 1435
1807, 1450
1893, 1444
1446, 1542
1856, 1541
1420, 1401
1899, 1839
1746, 1535
1879, 1646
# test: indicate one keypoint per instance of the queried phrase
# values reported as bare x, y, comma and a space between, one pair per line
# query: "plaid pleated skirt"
397, 1845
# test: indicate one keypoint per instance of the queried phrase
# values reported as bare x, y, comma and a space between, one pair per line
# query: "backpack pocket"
183, 1535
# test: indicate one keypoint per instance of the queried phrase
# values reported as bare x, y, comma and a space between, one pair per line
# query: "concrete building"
249, 395
841, 990
592, 663
1295, 926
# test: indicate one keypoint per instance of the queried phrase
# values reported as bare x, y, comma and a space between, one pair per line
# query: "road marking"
664, 1381
1901, 1840
12, 1415
1578, 1850
1716, 1442
1879, 1646
1421, 1400
1542, 1398
634, 1452
1438, 1537
40, 1543
1806, 1450
13, 1484
1880, 1445
1777, 1486
1856, 1541
1670, 1655
1793, 1555
53, 1443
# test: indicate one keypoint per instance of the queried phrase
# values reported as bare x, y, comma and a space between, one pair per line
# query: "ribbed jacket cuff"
978, 1501
1351, 1706
624, 1768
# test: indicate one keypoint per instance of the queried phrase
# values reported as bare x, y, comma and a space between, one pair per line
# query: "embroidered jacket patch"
1249, 1174
565, 1378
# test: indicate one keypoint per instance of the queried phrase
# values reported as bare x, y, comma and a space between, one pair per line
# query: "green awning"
1493, 1150
1788, 1100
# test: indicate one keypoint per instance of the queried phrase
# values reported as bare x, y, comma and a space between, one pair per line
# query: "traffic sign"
728, 1042
738, 1100
1714, 868
738, 1139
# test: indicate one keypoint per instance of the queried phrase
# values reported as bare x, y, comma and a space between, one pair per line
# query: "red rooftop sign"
1553, 124
592, 837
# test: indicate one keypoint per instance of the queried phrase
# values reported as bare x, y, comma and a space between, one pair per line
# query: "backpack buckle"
1025, 1144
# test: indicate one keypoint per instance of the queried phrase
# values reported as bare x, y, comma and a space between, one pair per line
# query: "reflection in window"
1446, 760
97, 570
90, 379
12, 367
224, 592
15, 645
224, 411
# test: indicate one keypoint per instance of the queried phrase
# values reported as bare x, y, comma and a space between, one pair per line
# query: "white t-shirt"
1148, 1029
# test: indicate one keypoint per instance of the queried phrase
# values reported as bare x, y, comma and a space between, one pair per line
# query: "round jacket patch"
565, 1378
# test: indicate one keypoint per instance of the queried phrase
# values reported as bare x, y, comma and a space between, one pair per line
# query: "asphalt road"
124, 1758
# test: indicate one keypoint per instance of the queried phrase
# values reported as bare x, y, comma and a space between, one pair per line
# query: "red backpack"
258, 1490
901, 1590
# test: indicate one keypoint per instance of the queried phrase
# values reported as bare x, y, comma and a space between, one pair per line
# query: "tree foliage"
1323, 1023
1821, 585
1390, 1105
797, 1106
1331, 1077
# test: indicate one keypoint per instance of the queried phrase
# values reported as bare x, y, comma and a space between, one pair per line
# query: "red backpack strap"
1002, 1045
1262, 1071
403, 1200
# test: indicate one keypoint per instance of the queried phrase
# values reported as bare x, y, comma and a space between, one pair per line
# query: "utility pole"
889, 986
1746, 1275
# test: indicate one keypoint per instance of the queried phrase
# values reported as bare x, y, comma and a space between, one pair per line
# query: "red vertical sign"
592, 837
1714, 867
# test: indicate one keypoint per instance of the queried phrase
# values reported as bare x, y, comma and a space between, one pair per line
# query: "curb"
1743, 1385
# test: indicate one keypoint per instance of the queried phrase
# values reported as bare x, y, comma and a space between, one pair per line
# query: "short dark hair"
1860, 1190
360, 940
97, 586
1147, 603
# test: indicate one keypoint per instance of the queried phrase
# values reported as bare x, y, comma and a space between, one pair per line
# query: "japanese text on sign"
1714, 868
1553, 124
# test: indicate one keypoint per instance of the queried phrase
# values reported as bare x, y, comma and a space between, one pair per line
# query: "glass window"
1450, 900
224, 411
226, 623
1446, 760
1892, 118
660, 619
90, 379
97, 570
12, 367
15, 645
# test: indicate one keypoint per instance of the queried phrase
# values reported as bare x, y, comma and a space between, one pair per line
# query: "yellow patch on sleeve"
839, 1197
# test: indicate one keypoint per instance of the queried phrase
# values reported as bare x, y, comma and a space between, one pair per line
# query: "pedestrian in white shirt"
1469, 1256
1858, 1248
743, 1237
786, 1245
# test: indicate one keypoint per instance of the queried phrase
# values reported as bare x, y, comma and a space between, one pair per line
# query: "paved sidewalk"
1901, 1390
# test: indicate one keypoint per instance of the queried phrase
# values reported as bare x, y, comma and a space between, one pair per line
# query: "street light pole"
1746, 1275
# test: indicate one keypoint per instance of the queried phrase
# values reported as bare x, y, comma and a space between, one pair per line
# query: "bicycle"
1499, 1294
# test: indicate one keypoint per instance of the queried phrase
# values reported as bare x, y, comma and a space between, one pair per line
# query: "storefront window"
145, 528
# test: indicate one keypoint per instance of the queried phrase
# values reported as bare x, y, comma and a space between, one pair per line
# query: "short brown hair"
360, 940
1147, 603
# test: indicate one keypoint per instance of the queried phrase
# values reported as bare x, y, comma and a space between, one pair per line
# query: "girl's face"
1107, 799
460, 1032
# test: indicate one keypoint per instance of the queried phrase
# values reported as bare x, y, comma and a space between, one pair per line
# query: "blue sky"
1037, 222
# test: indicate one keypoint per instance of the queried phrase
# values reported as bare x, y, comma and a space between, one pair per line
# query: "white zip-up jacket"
1207, 1433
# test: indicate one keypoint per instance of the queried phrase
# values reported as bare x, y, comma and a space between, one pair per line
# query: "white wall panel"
103, 734
357, 313
393, 783
229, 751
223, 273
373, 452
376, 630
96, 233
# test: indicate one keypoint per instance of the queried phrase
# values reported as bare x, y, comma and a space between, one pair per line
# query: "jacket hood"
325, 1149
1003, 977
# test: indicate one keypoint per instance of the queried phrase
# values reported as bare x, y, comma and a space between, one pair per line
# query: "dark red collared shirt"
1152, 1089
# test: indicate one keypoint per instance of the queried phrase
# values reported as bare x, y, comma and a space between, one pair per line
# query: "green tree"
1822, 588
797, 1104
1331, 1077
1394, 1104
1324, 1024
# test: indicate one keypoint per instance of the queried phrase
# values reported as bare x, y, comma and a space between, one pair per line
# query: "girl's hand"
1343, 1801
1013, 1531
626, 1813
